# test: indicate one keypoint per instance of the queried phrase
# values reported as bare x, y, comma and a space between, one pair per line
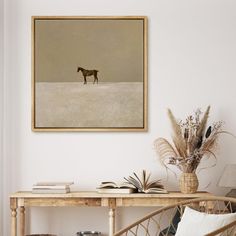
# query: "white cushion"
197, 223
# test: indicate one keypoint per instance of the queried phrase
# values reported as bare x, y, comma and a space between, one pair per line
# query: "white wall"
192, 57
1, 112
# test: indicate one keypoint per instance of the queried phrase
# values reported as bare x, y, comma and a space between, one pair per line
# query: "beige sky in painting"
113, 47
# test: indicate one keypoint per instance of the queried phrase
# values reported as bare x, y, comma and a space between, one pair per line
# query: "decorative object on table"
228, 180
52, 187
145, 185
88, 233
94, 78
192, 140
112, 187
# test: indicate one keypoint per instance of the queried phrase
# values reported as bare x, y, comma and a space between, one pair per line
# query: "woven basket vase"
188, 183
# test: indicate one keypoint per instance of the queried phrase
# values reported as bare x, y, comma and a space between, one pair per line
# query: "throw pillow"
197, 223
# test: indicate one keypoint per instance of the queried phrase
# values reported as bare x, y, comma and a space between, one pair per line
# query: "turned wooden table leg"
22, 221
111, 221
13, 205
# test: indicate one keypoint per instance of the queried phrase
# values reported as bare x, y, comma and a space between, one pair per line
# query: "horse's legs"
85, 81
95, 79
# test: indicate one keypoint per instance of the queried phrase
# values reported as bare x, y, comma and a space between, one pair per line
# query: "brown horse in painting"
88, 73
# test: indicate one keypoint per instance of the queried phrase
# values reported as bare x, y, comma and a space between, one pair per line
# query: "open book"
155, 190
144, 185
112, 187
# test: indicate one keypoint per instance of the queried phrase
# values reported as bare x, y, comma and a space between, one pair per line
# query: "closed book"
50, 190
116, 190
50, 187
53, 183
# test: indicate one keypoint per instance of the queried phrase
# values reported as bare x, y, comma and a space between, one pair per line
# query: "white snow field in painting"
102, 105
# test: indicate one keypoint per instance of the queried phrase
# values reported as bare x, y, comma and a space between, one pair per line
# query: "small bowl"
88, 233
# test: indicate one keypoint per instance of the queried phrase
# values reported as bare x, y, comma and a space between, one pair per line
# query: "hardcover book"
112, 187
50, 190
51, 187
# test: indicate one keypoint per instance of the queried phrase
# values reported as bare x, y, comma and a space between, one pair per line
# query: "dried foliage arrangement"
144, 184
192, 139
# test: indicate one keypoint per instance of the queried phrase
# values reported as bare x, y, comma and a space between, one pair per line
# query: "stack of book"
51, 187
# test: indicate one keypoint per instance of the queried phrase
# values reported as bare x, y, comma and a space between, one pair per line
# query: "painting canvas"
89, 73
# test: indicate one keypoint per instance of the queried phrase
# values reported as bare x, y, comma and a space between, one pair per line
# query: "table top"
94, 194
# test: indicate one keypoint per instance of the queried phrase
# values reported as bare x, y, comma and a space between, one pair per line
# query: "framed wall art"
89, 73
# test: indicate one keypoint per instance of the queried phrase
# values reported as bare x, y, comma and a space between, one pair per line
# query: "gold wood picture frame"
89, 73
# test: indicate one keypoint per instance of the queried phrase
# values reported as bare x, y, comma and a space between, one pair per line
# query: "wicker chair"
164, 221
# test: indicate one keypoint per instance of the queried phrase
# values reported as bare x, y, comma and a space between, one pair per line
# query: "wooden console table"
27, 199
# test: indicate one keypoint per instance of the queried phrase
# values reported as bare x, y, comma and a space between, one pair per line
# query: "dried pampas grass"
177, 137
192, 139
